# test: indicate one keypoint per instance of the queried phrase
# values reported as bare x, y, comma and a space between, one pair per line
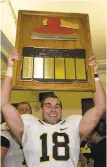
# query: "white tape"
9, 72
97, 79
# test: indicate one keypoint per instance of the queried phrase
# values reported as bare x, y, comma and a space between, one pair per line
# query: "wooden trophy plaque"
54, 50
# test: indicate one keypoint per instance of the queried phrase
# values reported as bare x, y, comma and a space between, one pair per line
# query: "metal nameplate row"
53, 65
49, 52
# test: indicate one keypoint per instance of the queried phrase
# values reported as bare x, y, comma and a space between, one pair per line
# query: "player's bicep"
89, 121
14, 121
5, 144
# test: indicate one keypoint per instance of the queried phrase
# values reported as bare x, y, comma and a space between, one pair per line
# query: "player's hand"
93, 63
13, 56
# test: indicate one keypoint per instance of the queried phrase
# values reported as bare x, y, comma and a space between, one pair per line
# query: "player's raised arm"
93, 115
10, 113
99, 96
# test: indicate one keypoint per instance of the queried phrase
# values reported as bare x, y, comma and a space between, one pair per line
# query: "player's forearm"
6, 86
6, 90
99, 96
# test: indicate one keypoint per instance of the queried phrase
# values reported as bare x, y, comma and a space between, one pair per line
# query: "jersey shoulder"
73, 120
29, 120
27, 117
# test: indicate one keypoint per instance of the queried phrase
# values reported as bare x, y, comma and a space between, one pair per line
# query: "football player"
51, 141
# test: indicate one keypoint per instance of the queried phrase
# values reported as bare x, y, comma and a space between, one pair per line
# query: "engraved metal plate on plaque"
53, 65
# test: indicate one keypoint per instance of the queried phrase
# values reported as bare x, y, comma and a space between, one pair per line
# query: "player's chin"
54, 120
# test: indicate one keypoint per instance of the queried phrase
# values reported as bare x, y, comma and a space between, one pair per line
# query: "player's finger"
15, 55
92, 57
93, 61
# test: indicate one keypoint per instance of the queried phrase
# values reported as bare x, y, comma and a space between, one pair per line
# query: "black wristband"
96, 75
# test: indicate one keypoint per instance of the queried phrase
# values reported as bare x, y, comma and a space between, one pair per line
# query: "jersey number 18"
57, 144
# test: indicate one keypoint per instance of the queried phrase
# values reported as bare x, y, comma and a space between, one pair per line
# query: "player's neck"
50, 123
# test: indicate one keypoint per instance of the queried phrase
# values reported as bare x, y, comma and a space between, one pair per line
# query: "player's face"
24, 109
51, 111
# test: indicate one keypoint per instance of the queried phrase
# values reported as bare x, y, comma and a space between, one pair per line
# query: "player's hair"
101, 128
50, 96
24, 103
